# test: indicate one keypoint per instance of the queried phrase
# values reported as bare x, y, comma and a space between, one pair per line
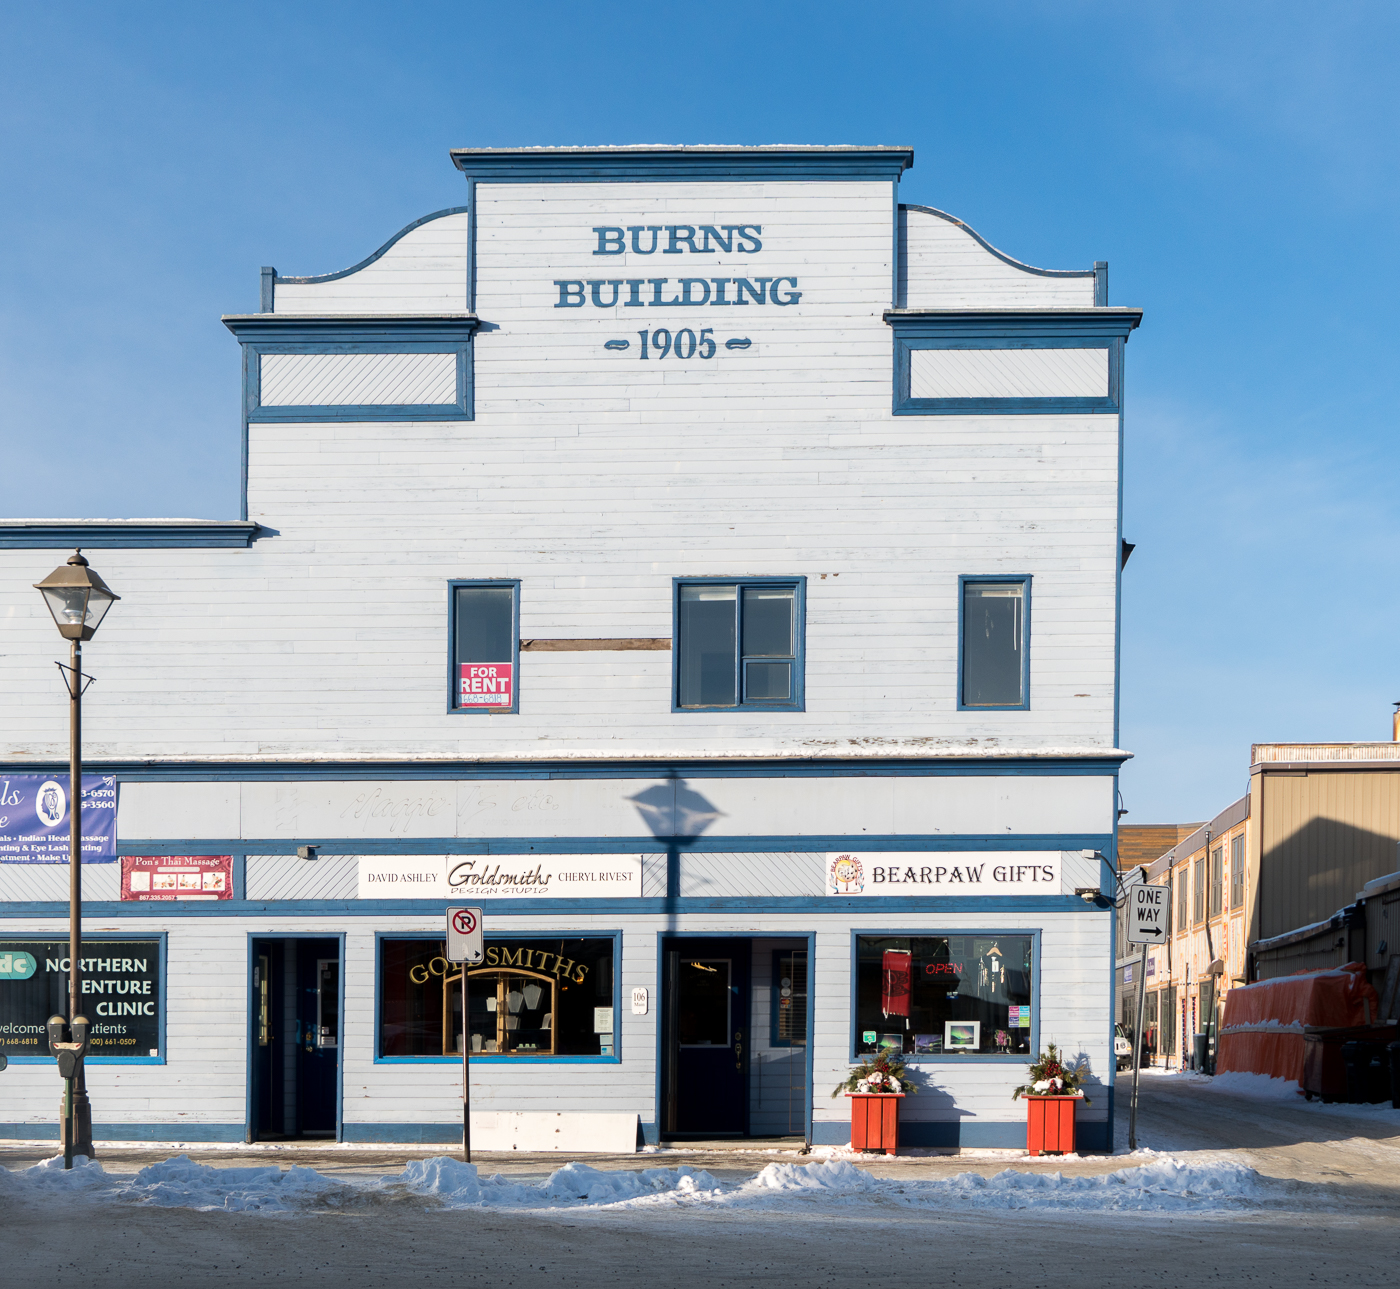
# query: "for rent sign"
487, 685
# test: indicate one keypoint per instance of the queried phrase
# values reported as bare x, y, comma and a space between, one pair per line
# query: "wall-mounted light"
307, 852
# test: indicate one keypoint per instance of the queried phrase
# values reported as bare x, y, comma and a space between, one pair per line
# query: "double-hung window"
1217, 861
1237, 871
738, 644
1198, 893
485, 657
994, 643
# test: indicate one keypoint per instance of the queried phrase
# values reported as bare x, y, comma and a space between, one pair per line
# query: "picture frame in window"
493, 672
962, 1035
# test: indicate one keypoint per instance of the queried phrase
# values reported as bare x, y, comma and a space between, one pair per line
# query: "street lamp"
78, 600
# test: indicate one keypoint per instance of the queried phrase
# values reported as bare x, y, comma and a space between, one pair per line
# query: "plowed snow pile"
1162, 1185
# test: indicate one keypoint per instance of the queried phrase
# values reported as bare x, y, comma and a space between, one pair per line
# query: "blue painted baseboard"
405, 1134
130, 1132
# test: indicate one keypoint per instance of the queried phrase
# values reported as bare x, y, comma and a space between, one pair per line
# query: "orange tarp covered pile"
1262, 1029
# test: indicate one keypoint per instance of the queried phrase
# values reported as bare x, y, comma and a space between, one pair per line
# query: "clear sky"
1234, 163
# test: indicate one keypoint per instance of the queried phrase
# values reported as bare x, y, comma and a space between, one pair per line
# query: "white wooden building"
697, 558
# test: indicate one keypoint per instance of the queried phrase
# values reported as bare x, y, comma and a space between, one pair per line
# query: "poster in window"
894, 986
487, 684
121, 995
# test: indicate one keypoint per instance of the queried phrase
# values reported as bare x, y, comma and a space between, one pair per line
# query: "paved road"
1350, 1238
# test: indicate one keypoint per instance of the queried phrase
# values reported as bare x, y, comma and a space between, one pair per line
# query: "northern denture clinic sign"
451, 877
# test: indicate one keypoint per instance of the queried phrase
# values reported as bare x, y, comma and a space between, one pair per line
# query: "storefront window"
944, 995
530, 998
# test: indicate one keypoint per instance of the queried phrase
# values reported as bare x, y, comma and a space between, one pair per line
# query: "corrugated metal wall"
1325, 834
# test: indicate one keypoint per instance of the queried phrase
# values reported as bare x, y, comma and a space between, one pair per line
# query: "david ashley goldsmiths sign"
484, 877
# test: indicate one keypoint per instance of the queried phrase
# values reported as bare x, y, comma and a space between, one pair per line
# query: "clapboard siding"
204, 1080
944, 266
425, 271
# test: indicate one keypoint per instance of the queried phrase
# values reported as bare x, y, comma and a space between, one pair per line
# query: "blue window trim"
615, 1059
774, 985
1089, 328
452, 587
339, 937
981, 578
981, 1058
127, 534
684, 164
798, 703
261, 334
162, 939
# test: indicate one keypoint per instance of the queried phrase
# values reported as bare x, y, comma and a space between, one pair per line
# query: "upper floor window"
994, 643
485, 657
1198, 901
1217, 881
1237, 871
1179, 877
738, 644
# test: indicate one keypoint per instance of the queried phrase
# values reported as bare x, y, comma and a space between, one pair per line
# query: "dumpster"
1324, 1070
1367, 1072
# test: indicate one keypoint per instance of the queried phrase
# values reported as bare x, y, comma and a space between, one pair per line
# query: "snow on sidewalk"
1159, 1185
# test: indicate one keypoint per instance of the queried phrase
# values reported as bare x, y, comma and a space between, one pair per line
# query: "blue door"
706, 1025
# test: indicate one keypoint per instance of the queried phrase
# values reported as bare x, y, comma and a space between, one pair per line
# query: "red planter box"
1050, 1125
875, 1121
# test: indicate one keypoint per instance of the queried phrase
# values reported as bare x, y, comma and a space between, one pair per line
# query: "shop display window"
944, 995
529, 998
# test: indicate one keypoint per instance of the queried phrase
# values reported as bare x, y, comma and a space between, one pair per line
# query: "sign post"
465, 944
1147, 924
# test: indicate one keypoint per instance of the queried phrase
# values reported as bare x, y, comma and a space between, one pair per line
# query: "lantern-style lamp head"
77, 598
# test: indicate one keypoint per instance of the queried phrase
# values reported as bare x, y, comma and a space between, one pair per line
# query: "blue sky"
1235, 164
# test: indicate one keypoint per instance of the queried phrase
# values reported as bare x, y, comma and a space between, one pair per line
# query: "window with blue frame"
944, 995
994, 644
528, 998
485, 646
738, 644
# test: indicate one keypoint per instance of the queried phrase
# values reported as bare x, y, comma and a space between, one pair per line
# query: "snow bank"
1159, 1185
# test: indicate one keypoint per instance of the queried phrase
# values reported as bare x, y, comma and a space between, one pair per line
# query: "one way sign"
1147, 915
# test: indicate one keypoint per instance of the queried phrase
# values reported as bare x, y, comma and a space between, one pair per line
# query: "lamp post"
78, 600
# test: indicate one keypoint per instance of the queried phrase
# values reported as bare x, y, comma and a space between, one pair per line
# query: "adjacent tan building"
1299, 873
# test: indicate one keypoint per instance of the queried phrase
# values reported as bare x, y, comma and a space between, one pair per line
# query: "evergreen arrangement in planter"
882, 1073
1052, 1076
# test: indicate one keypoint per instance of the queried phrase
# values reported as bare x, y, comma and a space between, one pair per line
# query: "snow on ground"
1261, 1087
1159, 1184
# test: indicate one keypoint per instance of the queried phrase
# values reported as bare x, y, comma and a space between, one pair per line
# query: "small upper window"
485, 656
738, 644
1237, 871
995, 639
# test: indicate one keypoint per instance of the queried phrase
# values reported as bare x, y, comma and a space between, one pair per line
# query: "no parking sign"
464, 936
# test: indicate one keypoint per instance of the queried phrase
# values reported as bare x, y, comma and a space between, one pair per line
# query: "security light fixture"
1089, 894
77, 597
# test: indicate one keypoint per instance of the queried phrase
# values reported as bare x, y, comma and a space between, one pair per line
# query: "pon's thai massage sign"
499, 877
487, 685
945, 872
177, 877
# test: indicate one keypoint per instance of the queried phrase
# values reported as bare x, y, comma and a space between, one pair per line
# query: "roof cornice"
682, 163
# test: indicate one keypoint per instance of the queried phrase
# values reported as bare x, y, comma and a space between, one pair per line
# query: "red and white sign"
487, 684
177, 877
465, 941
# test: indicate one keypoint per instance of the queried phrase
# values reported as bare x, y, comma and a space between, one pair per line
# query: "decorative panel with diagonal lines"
1008, 373
357, 380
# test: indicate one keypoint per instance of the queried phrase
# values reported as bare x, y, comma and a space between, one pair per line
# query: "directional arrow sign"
1147, 915
464, 936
